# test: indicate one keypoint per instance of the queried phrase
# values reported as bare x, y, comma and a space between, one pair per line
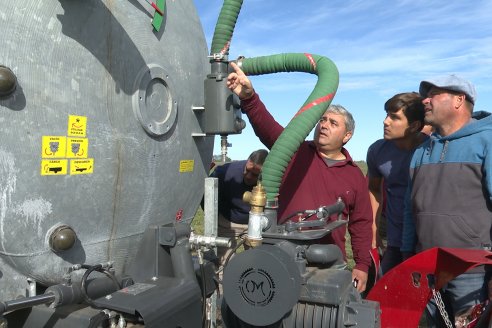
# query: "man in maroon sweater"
320, 172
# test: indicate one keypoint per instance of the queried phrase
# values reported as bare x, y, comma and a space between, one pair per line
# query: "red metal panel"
404, 291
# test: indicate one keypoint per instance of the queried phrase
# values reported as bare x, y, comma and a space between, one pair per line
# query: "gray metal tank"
98, 135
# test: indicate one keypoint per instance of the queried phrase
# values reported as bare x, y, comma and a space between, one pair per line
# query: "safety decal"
81, 166
54, 146
160, 8
54, 167
77, 147
77, 126
186, 165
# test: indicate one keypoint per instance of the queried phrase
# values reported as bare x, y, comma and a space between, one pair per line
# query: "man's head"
253, 166
404, 116
452, 84
334, 129
448, 102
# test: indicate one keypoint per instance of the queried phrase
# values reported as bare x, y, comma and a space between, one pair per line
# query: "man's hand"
360, 277
239, 83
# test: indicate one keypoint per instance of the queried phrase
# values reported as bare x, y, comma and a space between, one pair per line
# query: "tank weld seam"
49, 251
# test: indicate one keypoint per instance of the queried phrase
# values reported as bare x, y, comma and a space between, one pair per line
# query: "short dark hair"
258, 156
411, 105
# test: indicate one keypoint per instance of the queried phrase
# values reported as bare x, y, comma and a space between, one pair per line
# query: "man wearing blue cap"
449, 202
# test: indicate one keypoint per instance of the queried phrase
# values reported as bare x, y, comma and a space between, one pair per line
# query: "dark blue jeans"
391, 258
458, 295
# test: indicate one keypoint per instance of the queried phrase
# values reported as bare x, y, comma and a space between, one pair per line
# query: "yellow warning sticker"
54, 167
77, 147
186, 165
81, 166
77, 126
53, 146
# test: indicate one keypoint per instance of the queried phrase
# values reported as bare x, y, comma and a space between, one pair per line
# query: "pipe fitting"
257, 223
257, 220
210, 241
256, 198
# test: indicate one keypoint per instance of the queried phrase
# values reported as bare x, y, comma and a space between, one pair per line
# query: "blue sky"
380, 48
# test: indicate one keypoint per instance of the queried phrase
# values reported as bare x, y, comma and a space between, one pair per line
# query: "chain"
442, 310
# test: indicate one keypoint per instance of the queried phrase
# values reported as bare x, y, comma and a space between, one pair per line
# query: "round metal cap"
8, 81
261, 285
62, 238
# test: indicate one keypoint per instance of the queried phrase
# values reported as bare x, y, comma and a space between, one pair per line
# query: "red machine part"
404, 291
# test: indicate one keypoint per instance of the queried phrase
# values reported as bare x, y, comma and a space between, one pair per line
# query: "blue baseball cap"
450, 82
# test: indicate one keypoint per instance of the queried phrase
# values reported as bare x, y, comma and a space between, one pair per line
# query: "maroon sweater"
309, 183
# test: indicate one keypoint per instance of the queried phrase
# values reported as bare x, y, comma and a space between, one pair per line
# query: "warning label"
81, 166
77, 147
77, 126
186, 165
54, 146
54, 167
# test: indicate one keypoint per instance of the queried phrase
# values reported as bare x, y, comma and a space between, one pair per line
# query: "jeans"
458, 295
391, 258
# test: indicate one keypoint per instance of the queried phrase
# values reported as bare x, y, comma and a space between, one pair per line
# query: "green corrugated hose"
225, 26
306, 118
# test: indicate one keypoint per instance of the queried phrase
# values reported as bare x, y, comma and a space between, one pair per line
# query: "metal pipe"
257, 223
210, 241
211, 223
223, 148
67, 294
26, 302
